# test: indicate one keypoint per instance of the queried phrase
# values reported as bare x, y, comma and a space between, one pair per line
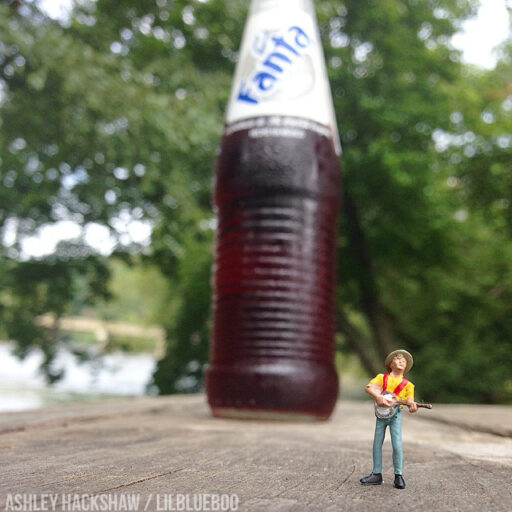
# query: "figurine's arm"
374, 390
412, 404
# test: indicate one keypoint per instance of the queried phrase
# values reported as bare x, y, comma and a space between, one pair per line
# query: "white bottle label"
281, 70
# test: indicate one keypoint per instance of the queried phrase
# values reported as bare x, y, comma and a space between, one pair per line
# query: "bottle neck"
292, 5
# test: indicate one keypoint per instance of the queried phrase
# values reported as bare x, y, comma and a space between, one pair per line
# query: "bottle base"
291, 390
247, 414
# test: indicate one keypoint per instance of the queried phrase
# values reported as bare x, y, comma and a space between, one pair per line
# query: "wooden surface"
172, 445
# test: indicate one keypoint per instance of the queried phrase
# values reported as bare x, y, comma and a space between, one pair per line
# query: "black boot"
372, 479
399, 482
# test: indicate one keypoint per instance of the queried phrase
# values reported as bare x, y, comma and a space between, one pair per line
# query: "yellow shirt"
393, 382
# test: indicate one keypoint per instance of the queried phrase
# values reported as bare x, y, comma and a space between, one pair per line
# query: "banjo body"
385, 413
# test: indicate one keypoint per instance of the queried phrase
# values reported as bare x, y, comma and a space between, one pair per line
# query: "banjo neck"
418, 404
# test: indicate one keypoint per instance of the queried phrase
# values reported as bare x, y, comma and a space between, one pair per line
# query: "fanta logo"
284, 51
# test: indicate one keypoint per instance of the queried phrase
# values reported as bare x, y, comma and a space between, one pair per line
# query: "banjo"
388, 412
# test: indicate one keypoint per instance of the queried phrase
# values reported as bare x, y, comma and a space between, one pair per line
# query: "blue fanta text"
284, 52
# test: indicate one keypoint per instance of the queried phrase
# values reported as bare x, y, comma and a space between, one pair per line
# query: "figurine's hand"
412, 405
382, 402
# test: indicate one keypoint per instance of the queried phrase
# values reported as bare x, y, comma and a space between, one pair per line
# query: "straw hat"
407, 356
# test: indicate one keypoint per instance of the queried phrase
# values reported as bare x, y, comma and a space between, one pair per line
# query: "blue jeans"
395, 427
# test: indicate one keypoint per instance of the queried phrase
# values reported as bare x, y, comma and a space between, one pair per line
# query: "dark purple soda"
272, 350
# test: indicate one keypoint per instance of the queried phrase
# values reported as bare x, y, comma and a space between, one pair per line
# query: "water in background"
22, 385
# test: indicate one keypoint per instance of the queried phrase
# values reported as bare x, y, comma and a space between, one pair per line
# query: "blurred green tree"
115, 114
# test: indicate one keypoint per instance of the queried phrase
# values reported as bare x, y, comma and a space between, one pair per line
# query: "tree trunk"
381, 329
359, 344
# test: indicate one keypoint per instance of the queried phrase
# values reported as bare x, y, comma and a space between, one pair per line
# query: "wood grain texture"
172, 445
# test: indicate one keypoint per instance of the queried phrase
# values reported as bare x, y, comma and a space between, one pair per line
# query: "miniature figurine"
391, 392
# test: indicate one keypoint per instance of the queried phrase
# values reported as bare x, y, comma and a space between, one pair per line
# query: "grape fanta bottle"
276, 192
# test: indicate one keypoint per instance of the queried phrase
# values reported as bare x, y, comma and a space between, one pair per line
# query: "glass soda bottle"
276, 192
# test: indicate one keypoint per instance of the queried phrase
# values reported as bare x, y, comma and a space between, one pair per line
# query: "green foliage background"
117, 113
